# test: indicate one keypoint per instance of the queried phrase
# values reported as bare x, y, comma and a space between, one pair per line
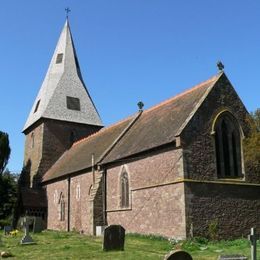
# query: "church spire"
63, 94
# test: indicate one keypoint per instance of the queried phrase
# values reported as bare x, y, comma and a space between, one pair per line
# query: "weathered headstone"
7, 230
178, 255
232, 257
253, 237
37, 224
114, 238
27, 239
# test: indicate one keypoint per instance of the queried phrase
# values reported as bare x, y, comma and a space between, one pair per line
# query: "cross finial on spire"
67, 10
140, 105
220, 66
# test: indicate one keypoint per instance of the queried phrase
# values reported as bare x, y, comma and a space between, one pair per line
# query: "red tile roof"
156, 126
79, 156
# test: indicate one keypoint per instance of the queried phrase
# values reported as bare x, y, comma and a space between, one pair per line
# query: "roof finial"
220, 66
140, 104
67, 10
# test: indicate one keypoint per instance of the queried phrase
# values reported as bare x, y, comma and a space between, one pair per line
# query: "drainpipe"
68, 217
93, 168
104, 197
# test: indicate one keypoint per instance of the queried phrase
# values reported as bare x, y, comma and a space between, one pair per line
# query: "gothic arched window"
124, 188
228, 146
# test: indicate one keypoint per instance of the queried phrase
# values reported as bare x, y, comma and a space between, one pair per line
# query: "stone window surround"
124, 199
218, 115
61, 208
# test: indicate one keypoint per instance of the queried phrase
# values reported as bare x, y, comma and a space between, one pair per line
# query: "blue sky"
129, 50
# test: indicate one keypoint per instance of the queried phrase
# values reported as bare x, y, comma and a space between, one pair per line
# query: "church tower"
63, 112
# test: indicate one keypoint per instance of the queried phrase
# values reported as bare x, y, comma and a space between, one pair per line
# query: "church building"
173, 170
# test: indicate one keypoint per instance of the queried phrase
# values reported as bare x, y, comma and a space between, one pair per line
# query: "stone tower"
63, 112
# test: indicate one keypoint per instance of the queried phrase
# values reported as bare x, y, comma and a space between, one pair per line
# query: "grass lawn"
62, 245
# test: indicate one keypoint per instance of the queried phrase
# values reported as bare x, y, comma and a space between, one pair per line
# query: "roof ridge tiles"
201, 84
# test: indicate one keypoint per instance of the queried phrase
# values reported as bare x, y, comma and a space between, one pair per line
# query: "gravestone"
27, 239
37, 225
178, 255
232, 257
253, 237
7, 230
114, 238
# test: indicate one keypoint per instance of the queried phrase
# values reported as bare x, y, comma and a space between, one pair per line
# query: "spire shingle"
63, 95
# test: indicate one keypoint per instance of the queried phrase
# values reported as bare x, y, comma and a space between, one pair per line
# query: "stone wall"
80, 217
234, 208
81, 205
33, 152
156, 197
53, 194
51, 139
197, 138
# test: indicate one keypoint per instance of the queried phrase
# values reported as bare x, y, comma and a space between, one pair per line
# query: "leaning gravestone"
178, 255
232, 257
27, 239
114, 238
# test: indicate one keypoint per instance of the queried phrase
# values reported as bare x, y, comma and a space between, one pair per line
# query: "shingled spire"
63, 94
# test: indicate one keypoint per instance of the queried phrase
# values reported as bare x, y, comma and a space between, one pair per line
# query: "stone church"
171, 170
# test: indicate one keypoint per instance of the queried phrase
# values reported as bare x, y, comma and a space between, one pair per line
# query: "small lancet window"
228, 146
32, 140
59, 58
73, 103
124, 189
61, 208
37, 106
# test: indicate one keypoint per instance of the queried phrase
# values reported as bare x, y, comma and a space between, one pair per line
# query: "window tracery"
228, 146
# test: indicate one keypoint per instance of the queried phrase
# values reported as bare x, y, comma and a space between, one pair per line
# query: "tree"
8, 193
4, 151
252, 146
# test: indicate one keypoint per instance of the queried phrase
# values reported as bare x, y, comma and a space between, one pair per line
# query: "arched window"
61, 208
228, 146
124, 187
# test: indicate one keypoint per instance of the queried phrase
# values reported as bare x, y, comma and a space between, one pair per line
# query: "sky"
128, 50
